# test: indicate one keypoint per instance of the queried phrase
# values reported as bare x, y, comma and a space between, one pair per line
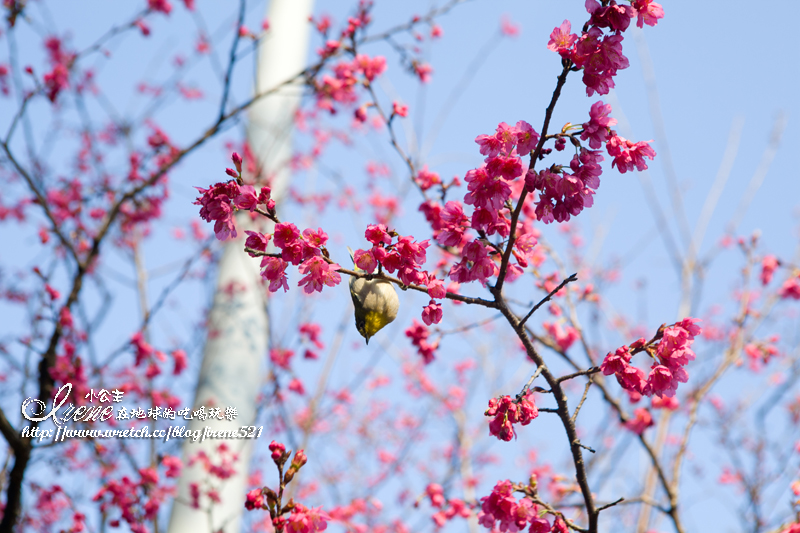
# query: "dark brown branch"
9, 433
231, 62
562, 79
608, 505
563, 409
587, 372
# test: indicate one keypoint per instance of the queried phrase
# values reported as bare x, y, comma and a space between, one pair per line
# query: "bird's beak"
367, 338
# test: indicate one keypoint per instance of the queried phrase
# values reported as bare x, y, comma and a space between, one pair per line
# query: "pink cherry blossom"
216, 206
790, 289
648, 12
597, 129
401, 110
319, 272
273, 269
432, 313
436, 288
768, 266
508, 168
506, 412
628, 155
526, 138
256, 241
427, 179
561, 40
419, 334
643, 420
613, 16
285, 234
377, 233
453, 224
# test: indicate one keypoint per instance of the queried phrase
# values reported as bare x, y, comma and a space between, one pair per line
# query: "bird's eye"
360, 323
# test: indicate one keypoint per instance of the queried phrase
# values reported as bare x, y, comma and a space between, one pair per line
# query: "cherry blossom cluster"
627, 155
406, 257
563, 335
671, 351
600, 55
293, 517
489, 188
138, 501
561, 194
790, 289
306, 251
46, 513
223, 468
500, 511
760, 353
488, 185
340, 87
146, 353
642, 419
61, 61
447, 509
70, 368
506, 411
419, 339
769, 264
311, 332
219, 202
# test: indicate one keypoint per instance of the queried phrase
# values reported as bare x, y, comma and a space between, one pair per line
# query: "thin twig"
580, 404
573, 277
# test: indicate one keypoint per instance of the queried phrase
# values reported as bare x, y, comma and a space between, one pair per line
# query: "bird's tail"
353, 258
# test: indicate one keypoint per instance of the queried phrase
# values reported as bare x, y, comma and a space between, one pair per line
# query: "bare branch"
573, 277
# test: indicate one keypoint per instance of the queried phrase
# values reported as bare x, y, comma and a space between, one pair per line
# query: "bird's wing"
353, 294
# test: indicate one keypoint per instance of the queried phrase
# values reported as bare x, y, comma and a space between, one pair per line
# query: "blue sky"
709, 78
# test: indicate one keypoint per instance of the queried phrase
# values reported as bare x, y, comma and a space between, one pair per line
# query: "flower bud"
277, 450
299, 459
237, 161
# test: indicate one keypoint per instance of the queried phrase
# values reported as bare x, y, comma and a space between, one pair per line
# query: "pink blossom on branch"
453, 224
432, 313
401, 110
768, 266
561, 40
419, 338
613, 16
790, 288
500, 511
506, 412
216, 206
307, 520
319, 272
647, 12
641, 421
672, 351
597, 129
629, 155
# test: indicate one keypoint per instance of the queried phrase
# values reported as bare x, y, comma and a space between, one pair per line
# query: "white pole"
231, 373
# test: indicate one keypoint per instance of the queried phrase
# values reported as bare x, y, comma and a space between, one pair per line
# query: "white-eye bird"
375, 302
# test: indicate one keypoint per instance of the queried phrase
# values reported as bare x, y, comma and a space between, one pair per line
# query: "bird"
375, 302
